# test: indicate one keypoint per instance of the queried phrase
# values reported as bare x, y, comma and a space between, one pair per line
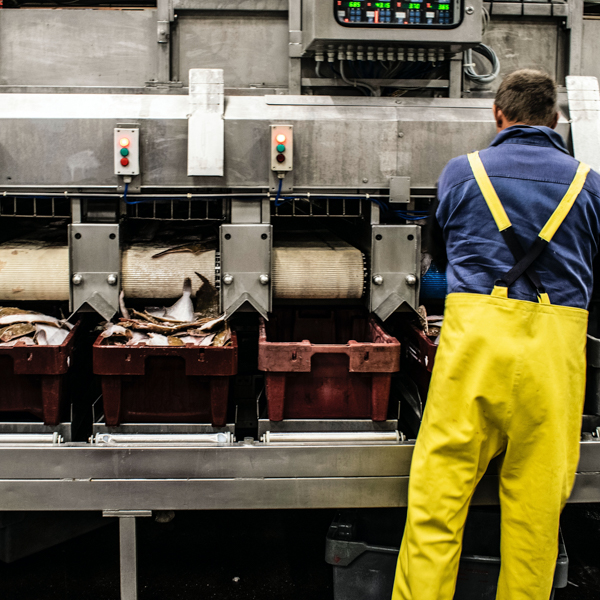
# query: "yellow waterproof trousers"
509, 378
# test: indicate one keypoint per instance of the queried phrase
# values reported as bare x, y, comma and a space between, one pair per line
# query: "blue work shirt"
531, 170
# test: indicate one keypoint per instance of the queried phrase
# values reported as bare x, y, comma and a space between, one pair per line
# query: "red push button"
280, 158
124, 161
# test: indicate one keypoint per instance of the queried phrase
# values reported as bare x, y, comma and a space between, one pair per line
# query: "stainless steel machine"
308, 135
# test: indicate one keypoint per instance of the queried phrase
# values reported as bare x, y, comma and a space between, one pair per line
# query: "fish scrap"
19, 327
178, 325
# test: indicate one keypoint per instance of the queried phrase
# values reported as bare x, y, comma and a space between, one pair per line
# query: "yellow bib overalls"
509, 378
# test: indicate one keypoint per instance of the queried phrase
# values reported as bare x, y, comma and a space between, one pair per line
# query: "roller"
300, 270
225, 437
38, 272
317, 269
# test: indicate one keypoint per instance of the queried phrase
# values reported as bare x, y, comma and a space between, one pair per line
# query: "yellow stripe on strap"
488, 191
562, 210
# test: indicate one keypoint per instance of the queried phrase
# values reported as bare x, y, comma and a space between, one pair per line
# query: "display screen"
412, 14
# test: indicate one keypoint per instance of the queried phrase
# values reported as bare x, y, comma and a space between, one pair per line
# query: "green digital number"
382, 4
444, 7
354, 4
413, 5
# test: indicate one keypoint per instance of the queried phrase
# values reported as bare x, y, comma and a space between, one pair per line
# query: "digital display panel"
426, 14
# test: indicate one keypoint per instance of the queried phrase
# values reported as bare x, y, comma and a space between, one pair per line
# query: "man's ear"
498, 117
555, 122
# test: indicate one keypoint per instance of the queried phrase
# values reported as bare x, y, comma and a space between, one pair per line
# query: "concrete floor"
241, 555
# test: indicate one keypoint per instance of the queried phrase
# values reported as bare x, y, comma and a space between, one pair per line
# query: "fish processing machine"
290, 149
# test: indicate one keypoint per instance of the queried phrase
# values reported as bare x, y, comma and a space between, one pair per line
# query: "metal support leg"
456, 76
128, 549
128, 553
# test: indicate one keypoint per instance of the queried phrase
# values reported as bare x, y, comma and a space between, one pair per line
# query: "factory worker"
520, 222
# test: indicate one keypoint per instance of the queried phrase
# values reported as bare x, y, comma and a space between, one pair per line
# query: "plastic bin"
326, 364
363, 548
155, 384
34, 379
592, 389
418, 357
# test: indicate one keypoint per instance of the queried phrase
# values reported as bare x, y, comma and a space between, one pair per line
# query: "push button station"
127, 151
282, 148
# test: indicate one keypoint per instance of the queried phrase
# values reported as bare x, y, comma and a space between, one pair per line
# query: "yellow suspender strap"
488, 191
562, 210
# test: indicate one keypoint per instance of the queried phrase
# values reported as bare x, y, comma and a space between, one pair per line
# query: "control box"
454, 25
127, 151
282, 147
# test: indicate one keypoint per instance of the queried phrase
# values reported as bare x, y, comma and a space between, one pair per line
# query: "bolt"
264, 279
469, 10
112, 279
410, 280
227, 279
377, 279
365, 180
400, 135
77, 279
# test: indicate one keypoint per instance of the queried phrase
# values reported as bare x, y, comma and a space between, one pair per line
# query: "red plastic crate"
155, 384
332, 364
419, 353
33, 379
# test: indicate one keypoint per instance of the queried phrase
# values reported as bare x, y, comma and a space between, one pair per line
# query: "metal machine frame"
214, 135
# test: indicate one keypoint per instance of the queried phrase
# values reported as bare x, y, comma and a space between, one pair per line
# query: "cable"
125, 193
468, 65
355, 84
277, 203
318, 68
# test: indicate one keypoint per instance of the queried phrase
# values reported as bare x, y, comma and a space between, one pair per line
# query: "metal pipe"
225, 437
271, 437
300, 195
31, 438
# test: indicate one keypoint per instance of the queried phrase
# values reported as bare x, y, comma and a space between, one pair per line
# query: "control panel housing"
282, 148
454, 25
426, 14
127, 151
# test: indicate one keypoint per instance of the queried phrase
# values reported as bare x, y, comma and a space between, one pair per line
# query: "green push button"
124, 152
280, 148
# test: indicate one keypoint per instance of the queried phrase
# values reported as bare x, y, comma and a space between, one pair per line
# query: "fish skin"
222, 337
33, 318
11, 310
207, 298
16, 330
197, 248
208, 326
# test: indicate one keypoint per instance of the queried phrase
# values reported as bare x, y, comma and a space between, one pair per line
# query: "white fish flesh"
118, 330
206, 341
48, 335
156, 339
183, 309
138, 338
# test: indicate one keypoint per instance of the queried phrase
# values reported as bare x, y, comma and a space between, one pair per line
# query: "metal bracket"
584, 108
395, 268
95, 267
246, 267
399, 190
206, 128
